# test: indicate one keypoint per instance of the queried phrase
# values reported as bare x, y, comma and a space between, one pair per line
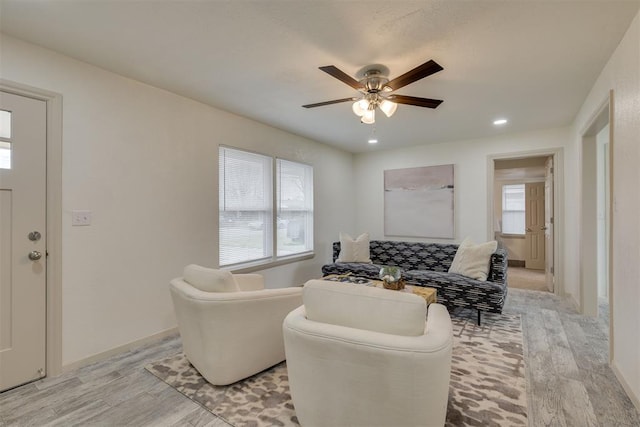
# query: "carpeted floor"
525, 278
487, 381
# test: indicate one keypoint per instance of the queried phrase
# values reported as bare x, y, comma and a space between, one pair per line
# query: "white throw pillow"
354, 250
209, 279
473, 260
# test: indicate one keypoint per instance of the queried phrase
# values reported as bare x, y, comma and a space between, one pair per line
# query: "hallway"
524, 278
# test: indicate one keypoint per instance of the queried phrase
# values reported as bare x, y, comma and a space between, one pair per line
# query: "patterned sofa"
427, 264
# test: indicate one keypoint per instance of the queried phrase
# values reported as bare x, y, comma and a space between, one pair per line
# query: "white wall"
588, 229
144, 161
516, 247
622, 74
470, 175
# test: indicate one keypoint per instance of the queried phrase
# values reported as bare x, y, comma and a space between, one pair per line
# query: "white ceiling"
532, 62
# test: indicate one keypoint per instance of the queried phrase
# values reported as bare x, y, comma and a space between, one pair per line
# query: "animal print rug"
487, 386
487, 381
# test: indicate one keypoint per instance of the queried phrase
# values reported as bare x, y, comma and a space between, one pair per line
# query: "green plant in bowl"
389, 273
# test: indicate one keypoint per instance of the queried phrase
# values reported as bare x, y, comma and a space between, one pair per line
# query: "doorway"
548, 168
595, 224
523, 219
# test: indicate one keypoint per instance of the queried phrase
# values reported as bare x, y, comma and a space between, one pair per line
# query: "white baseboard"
634, 399
120, 349
574, 301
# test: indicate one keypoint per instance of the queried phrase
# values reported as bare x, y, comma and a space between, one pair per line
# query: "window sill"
512, 236
262, 264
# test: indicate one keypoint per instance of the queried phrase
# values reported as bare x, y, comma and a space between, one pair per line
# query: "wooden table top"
430, 295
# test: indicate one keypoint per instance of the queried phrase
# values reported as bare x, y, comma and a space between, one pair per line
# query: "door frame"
600, 117
54, 219
557, 154
548, 218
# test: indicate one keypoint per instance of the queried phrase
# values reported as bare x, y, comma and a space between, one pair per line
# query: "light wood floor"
569, 381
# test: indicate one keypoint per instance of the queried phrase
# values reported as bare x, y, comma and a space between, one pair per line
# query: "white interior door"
22, 239
535, 227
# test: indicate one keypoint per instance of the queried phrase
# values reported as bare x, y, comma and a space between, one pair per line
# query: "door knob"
34, 236
35, 255
529, 230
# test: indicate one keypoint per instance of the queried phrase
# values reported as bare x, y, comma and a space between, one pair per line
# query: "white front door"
535, 227
22, 239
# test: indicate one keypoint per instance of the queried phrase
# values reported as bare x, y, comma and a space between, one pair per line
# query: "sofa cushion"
370, 271
457, 290
209, 279
413, 255
364, 307
473, 260
354, 250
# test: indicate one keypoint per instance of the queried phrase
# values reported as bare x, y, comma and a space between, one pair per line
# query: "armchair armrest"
498, 268
196, 295
433, 343
249, 282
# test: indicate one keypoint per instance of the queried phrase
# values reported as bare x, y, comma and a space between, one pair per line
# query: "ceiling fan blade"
413, 100
420, 72
335, 101
342, 76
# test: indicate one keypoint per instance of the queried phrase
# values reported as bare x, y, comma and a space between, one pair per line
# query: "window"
250, 232
5, 139
513, 209
295, 207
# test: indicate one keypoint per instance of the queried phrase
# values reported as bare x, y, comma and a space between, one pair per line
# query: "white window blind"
513, 209
250, 226
294, 198
246, 206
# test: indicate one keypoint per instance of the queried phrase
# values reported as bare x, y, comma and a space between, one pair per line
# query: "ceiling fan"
376, 89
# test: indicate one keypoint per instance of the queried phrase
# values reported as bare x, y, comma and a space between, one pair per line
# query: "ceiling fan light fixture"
388, 107
360, 107
374, 86
369, 117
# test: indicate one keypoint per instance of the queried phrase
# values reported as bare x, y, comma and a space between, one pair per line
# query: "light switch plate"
80, 218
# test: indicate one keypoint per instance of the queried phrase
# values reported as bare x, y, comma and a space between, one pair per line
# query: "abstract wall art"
418, 202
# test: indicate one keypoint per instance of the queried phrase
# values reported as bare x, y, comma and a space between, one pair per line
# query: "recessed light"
500, 122
373, 141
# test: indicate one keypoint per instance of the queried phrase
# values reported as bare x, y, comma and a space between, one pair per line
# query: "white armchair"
231, 327
363, 356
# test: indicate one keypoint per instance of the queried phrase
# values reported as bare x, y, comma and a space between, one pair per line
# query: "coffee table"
430, 295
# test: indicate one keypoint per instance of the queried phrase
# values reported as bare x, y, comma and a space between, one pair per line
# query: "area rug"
487, 385
487, 381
